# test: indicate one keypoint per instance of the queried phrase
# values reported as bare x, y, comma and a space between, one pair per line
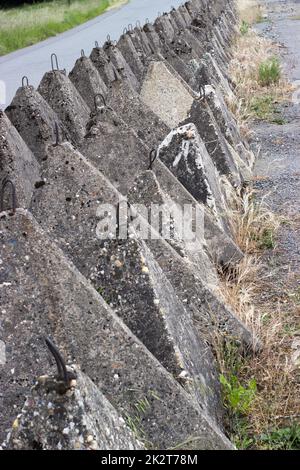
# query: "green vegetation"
282, 439
244, 29
238, 398
28, 24
264, 108
267, 240
269, 72
134, 422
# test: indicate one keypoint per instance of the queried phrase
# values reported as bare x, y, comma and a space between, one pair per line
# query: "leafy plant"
267, 239
282, 439
269, 72
238, 398
244, 29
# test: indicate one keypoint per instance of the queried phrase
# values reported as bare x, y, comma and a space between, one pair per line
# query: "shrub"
269, 72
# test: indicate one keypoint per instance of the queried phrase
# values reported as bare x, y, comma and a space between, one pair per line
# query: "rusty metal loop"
147, 21
108, 39
130, 27
153, 156
63, 374
97, 44
54, 59
125, 30
25, 81
96, 99
138, 24
4, 184
82, 53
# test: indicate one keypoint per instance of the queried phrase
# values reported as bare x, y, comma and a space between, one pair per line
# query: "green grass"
28, 24
269, 72
238, 397
282, 438
264, 108
244, 29
267, 240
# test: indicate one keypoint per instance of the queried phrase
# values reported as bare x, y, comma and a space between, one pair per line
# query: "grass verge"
260, 82
29, 24
260, 392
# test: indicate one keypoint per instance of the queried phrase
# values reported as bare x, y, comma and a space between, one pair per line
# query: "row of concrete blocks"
140, 317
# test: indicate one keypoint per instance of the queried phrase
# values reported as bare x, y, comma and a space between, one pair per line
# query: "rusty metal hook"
25, 81
54, 58
96, 99
63, 374
5, 183
153, 156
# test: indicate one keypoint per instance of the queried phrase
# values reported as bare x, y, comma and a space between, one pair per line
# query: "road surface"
34, 61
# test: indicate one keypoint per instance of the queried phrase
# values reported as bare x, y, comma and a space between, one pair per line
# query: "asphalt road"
34, 61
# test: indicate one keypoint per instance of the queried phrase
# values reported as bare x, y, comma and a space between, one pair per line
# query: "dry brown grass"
275, 320
250, 10
249, 52
253, 225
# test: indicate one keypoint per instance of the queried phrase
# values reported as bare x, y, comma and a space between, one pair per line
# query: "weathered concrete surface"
136, 287
62, 96
114, 149
17, 163
148, 126
87, 80
152, 37
180, 40
104, 144
124, 271
172, 102
80, 419
130, 54
115, 56
141, 43
35, 120
108, 72
121, 174
43, 294
176, 104
168, 221
184, 153
165, 290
